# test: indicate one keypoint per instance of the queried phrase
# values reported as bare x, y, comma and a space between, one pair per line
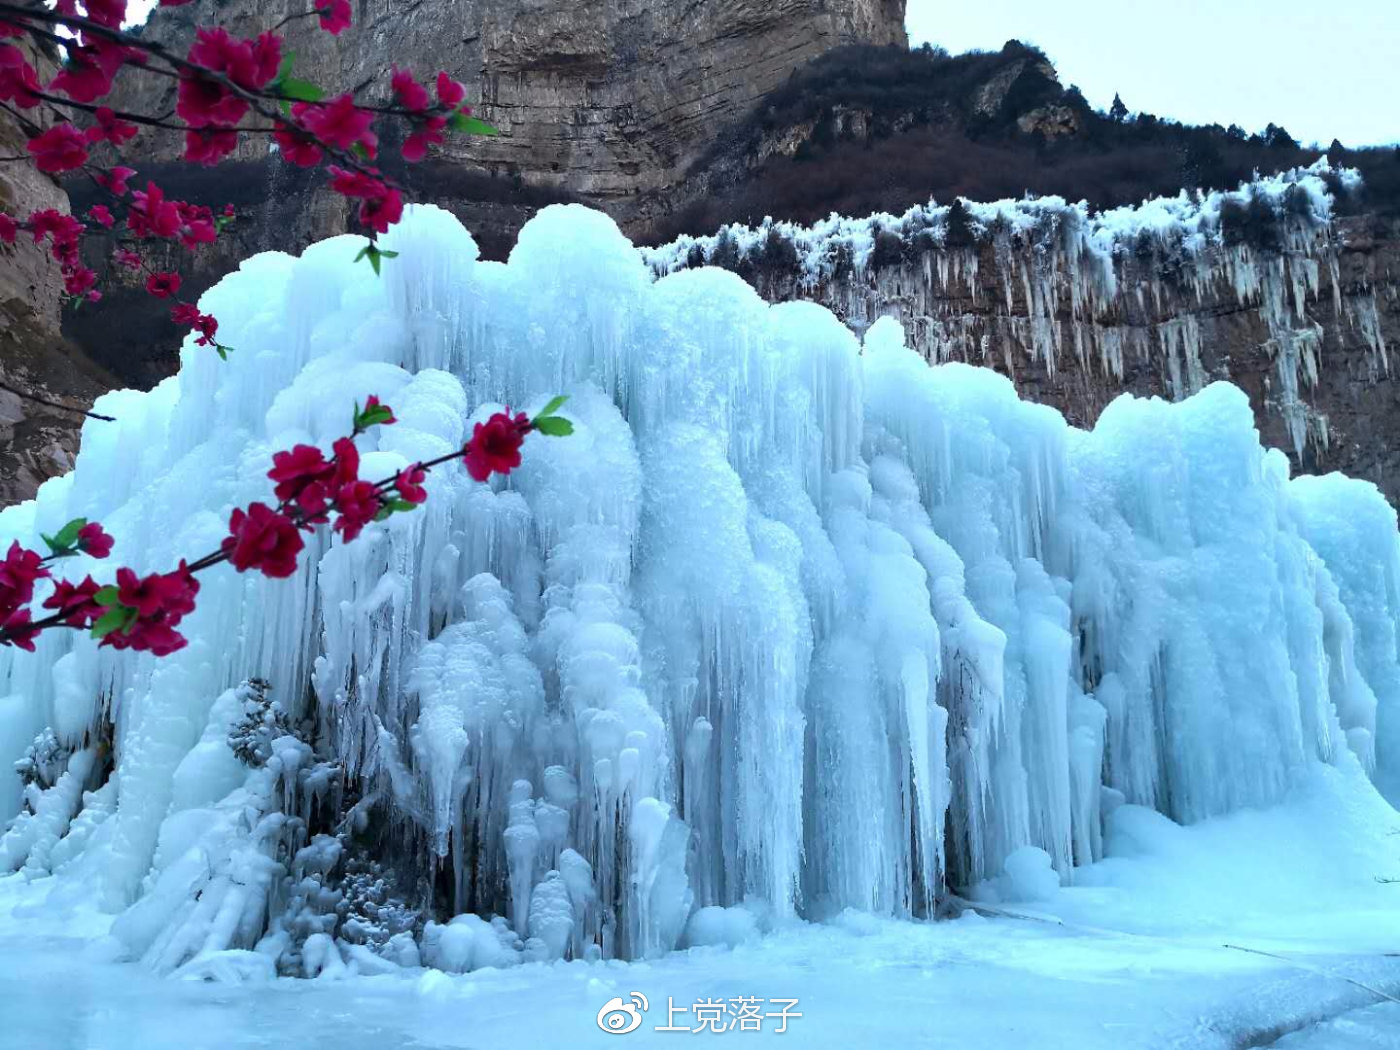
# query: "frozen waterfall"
790, 624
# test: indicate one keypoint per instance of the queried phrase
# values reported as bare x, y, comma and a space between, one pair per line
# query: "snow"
796, 643
1134, 959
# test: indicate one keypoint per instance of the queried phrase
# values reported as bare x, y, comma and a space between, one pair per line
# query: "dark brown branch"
54, 404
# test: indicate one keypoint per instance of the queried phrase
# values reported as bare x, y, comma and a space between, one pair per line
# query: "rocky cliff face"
1264, 287
36, 441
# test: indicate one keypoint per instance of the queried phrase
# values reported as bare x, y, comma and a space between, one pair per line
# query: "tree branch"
54, 404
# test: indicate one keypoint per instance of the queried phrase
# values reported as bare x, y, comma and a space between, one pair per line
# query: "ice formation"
1107, 290
790, 625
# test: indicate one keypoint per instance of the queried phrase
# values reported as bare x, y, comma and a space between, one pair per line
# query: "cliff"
36, 441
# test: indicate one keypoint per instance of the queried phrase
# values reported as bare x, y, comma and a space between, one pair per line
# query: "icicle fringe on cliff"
1046, 284
790, 625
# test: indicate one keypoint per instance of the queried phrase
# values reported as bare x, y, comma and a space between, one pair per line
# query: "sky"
1322, 70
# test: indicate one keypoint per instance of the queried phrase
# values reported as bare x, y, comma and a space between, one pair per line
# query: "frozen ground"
1151, 971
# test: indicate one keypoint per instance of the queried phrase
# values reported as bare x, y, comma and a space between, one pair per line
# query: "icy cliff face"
1253, 286
789, 623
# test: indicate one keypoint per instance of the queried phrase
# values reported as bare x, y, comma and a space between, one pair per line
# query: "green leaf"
285, 69
222, 351
553, 407
363, 252
117, 618
554, 426
375, 255
300, 90
459, 121
402, 506
106, 596
372, 417
68, 535
384, 512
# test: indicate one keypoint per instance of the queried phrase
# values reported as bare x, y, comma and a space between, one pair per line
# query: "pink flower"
18, 81
8, 228
114, 180
355, 183
409, 484
83, 78
196, 224
184, 313
411, 94
358, 502
156, 637
204, 324
52, 222
428, 133
78, 279
163, 285
92, 540
18, 573
78, 601
201, 102
151, 214
335, 15
450, 92
347, 462
160, 601
127, 258
301, 476
109, 129
299, 149
250, 64
18, 631
339, 123
495, 445
263, 539
102, 215
379, 213
61, 148
207, 328
208, 146
170, 594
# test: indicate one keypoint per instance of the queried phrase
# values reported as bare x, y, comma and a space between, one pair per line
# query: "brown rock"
36, 441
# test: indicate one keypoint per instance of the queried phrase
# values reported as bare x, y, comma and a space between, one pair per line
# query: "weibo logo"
619, 1018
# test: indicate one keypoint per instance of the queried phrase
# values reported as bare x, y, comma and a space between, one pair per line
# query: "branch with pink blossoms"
222, 82
142, 613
